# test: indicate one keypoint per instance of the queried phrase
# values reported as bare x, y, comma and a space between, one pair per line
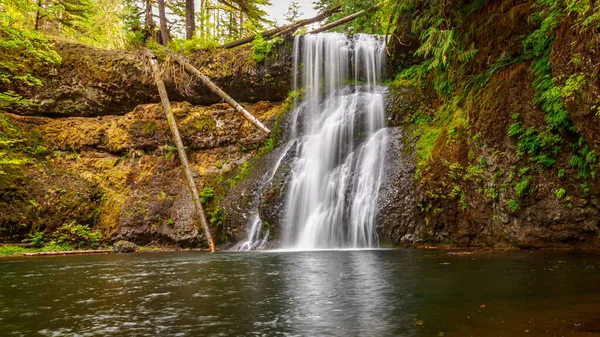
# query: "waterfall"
339, 139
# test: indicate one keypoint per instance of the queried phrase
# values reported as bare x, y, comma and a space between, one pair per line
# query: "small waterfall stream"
339, 138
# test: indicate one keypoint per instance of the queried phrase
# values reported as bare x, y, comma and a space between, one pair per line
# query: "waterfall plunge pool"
312, 293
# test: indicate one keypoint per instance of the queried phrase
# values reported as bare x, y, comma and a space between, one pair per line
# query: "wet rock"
398, 214
123, 246
401, 103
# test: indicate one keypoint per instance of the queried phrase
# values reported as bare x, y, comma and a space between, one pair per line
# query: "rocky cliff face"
121, 174
91, 146
483, 185
92, 82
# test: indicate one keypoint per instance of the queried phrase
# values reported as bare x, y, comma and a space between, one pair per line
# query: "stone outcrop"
123, 246
94, 82
121, 174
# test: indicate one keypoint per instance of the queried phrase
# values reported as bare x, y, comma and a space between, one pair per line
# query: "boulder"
123, 246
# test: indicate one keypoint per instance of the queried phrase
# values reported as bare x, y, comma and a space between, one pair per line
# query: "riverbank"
53, 250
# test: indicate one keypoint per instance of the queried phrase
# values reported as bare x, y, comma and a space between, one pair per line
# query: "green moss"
427, 134
143, 128
206, 124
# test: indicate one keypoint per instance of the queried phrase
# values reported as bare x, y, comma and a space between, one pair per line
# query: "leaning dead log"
214, 88
343, 20
287, 29
181, 151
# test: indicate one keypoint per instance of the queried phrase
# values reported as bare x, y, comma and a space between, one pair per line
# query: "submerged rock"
123, 246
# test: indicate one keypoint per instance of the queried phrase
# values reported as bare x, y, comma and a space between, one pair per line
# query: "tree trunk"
214, 88
190, 19
283, 29
180, 150
148, 18
162, 17
241, 25
38, 15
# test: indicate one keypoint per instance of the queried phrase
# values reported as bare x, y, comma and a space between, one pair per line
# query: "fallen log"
181, 151
70, 252
283, 29
214, 88
343, 20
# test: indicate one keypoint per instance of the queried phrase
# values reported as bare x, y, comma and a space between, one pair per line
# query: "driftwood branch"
283, 29
214, 88
343, 20
182, 156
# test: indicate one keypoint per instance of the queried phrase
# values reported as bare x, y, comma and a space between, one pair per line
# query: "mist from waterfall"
340, 142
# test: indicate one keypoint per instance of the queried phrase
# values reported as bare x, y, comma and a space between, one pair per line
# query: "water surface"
322, 293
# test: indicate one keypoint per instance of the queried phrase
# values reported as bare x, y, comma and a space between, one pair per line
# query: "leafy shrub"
206, 195
513, 205
54, 247
260, 48
560, 192
75, 235
492, 193
189, 47
217, 217
515, 129
37, 239
521, 188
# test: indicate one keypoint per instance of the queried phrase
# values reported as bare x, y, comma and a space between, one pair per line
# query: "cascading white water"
335, 179
339, 137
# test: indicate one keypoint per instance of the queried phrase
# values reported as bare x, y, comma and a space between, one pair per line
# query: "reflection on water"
335, 293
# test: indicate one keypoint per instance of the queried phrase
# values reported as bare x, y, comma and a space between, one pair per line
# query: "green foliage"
427, 134
538, 44
190, 47
515, 129
584, 159
492, 193
37, 239
16, 250
11, 154
513, 206
370, 23
585, 12
560, 192
21, 52
549, 97
217, 216
573, 85
76, 235
521, 188
243, 172
540, 146
57, 247
206, 195
260, 48
135, 39
506, 61
10, 100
